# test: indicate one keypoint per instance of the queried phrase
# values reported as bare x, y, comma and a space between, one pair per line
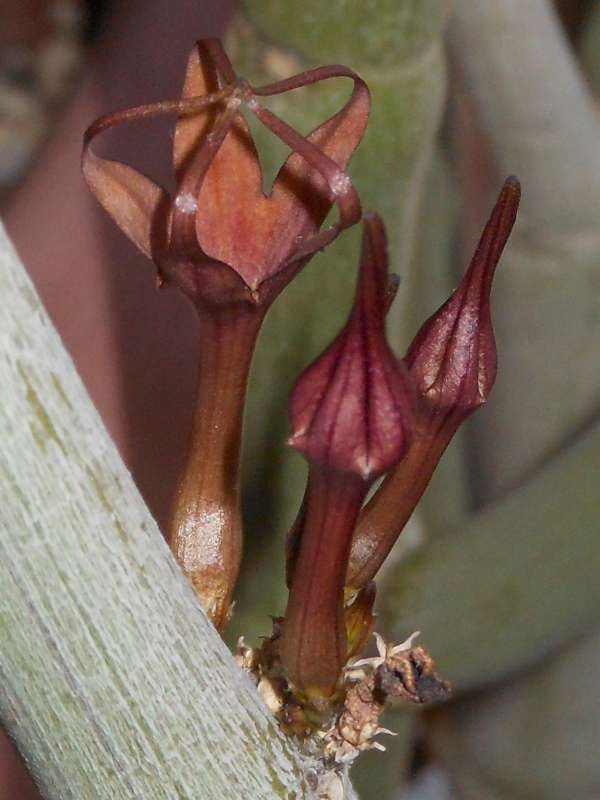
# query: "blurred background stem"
539, 117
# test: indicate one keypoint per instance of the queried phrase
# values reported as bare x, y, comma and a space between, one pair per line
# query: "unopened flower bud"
351, 410
452, 361
351, 414
231, 250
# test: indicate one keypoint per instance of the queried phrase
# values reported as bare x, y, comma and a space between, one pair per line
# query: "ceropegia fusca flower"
452, 361
351, 415
231, 249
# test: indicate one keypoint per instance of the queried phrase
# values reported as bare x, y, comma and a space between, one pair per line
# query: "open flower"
452, 361
220, 238
231, 249
351, 414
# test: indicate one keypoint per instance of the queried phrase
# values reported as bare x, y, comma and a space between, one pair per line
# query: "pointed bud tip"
375, 250
507, 206
453, 356
513, 184
352, 408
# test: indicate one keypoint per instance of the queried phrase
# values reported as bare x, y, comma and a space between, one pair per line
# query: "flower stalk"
314, 642
206, 523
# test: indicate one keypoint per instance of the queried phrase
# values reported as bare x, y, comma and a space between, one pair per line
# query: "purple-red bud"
452, 362
351, 414
452, 359
351, 410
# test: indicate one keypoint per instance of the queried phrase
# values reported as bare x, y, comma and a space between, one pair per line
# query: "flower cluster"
231, 250
358, 412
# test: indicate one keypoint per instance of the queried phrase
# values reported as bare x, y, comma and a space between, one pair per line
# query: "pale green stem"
114, 685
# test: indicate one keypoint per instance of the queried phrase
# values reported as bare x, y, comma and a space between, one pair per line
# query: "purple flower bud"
351, 410
452, 361
351, 414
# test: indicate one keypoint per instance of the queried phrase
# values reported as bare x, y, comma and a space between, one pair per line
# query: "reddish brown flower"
452, 361
231, 249
351, 414
220, 238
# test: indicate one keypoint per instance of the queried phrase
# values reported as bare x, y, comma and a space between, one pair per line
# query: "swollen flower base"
357, 413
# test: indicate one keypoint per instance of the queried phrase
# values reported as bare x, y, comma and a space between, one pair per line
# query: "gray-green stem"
114, 684
542, 124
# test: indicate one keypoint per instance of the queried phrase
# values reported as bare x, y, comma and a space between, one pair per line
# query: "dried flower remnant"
404, 671
452, 361
231, 250
338, 732
351, 414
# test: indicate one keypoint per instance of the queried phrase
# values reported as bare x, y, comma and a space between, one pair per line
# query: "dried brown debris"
351, 725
